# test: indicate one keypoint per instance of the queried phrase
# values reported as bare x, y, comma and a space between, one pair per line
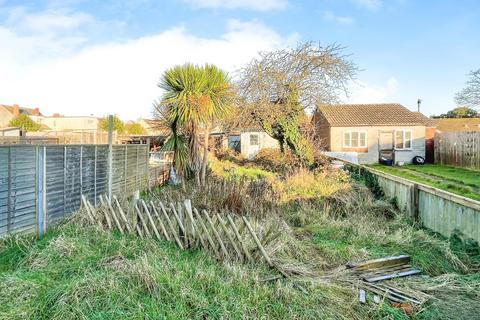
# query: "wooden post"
110, 156
117, 222
107, 218
259, 245
122, 215
89, 214
162, 226
229, 236
170, 225
152, 223
215, 232
142, 220
207, 234
239, 238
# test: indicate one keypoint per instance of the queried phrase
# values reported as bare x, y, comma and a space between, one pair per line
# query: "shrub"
276, 161
229, 154
230, 171
306, 185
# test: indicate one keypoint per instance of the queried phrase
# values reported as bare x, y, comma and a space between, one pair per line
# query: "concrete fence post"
110, 156
41, 190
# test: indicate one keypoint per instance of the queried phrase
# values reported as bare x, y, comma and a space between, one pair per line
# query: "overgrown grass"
78, 273
233, 172
454, 185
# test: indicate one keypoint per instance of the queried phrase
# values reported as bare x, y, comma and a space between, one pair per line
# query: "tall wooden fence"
435, 209
458, 149
43, 183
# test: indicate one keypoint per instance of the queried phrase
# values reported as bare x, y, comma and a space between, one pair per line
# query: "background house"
362, 132
457, 124
253, 140
58, 122
7, 113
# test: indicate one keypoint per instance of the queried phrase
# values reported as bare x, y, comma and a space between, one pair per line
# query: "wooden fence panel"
458, 149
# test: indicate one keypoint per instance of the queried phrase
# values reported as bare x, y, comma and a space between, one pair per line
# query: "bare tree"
470, 95
279, 86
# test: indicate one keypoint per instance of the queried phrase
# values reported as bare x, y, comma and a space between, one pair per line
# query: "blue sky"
98, 57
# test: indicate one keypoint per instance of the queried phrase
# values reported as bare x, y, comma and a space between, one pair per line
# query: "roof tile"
384, 114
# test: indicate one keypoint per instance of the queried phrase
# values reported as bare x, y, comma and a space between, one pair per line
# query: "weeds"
326, 219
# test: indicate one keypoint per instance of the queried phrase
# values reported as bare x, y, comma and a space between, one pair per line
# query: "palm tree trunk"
205, 155
194, 147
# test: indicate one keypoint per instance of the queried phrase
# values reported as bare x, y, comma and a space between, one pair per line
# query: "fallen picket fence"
226, 236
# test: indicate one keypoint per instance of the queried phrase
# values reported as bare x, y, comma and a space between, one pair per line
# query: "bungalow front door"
385, 145
385, 140
253, 145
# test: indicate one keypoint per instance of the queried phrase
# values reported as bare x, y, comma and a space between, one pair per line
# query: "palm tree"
195, 97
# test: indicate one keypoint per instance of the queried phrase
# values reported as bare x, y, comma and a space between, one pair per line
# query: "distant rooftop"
457, 124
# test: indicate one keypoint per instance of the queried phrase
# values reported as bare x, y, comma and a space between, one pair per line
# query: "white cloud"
119, 77
260, 5
362, 92
330, 16
47, 21
369, 4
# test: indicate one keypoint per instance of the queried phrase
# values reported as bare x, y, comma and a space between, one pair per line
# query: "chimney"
419, 102
16, 110
36, 112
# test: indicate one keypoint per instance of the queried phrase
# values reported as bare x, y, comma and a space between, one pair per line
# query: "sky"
77, 57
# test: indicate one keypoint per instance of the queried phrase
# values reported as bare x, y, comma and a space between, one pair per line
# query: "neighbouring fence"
435, 209
458, 149
42, 184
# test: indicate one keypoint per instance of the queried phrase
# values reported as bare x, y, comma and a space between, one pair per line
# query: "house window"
355, 139
254, 139
403, 139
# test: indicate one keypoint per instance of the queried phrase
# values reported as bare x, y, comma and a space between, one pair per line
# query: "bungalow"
364, 133
247, 141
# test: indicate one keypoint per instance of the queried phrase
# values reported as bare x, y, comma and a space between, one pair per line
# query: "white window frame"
403, 139
258, 139
350, 142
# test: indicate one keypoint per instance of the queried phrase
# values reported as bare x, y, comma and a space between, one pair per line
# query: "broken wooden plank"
393, 275
393, 295
382, 271
377, 263
259, 245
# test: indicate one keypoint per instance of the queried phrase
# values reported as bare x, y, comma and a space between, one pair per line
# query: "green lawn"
460, 181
